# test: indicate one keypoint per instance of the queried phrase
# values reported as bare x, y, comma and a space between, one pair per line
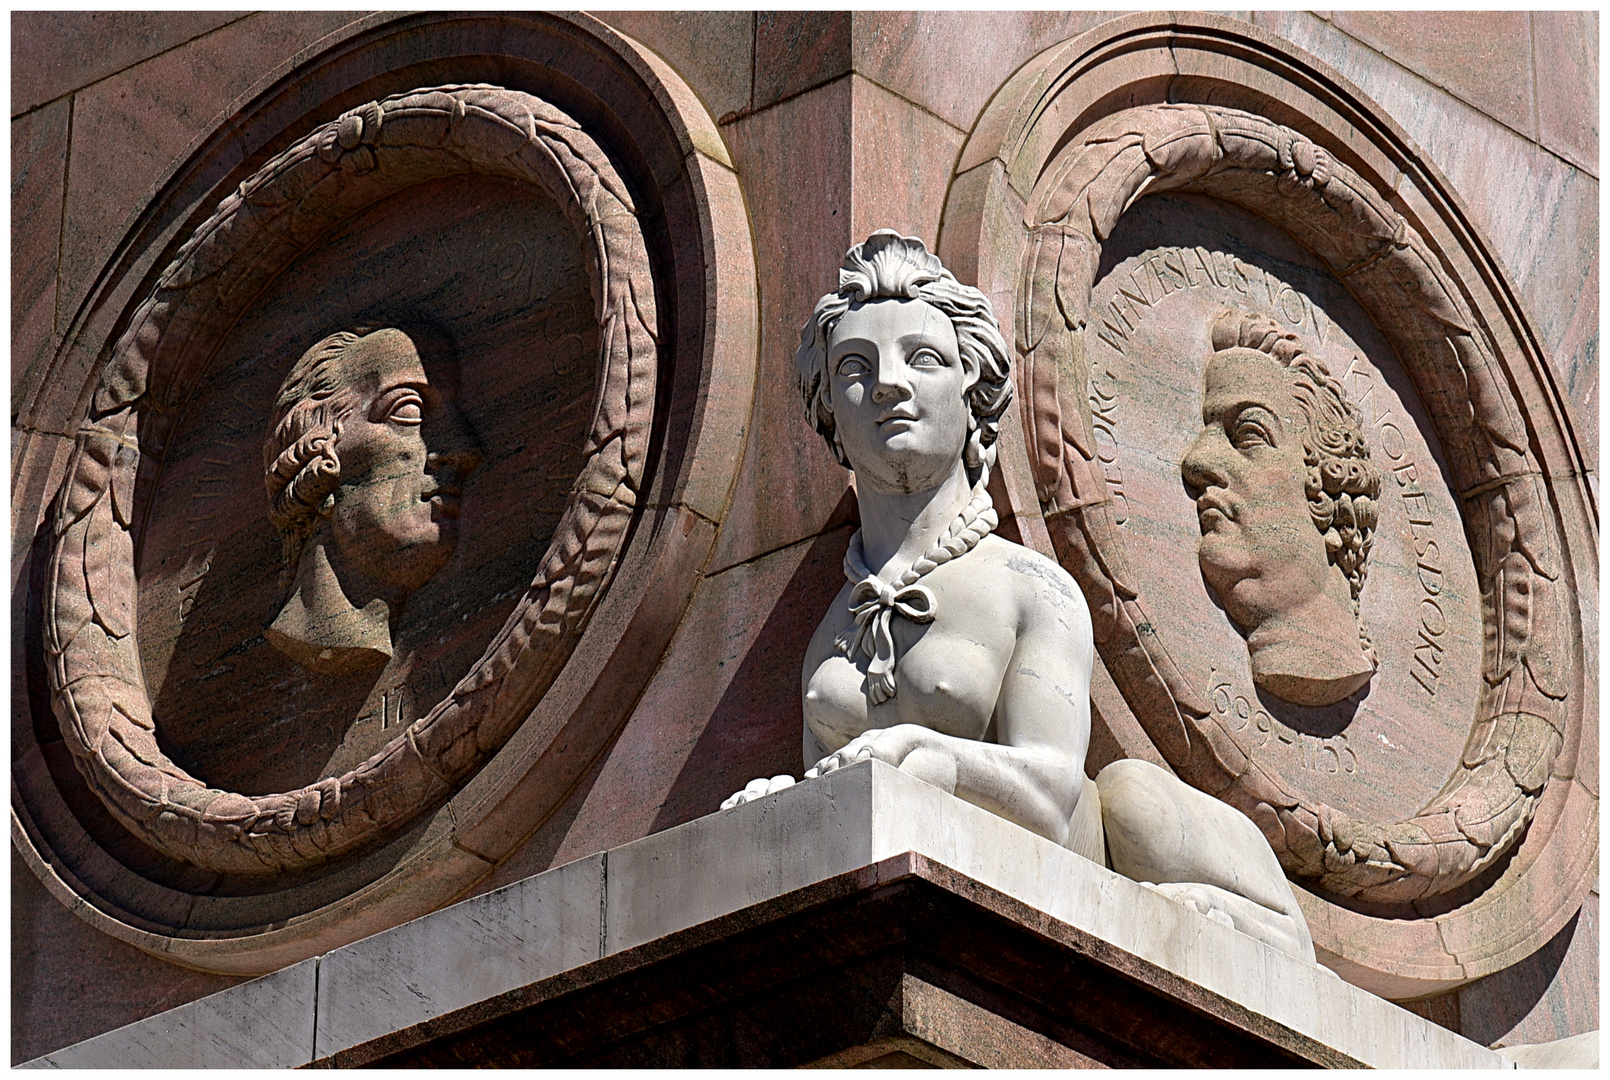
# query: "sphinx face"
897, 388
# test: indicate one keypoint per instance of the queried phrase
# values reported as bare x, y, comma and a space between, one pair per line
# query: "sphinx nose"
893, 380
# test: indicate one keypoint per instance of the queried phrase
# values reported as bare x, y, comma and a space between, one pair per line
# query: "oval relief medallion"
1297, 451
1324, 606
356, 456
397, 464
1288, 498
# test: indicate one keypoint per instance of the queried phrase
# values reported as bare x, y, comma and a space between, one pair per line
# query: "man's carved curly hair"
890, 266
1342, 483
300, 465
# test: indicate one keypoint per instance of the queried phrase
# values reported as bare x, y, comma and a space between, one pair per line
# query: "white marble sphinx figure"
957, 656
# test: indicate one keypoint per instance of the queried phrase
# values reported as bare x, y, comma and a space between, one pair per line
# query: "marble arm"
1033, 773
1036, 787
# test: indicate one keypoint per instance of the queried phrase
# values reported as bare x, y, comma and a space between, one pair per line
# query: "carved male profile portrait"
365, 465
1285, 497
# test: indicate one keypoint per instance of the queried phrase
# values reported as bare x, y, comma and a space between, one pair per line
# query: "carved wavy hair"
1342, 483
301, 467
890, 266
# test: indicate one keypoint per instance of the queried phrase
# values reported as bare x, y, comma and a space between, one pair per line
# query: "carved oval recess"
1479, 862
247, 880
96, 676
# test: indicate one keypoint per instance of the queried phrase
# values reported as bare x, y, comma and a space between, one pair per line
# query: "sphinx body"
958, 656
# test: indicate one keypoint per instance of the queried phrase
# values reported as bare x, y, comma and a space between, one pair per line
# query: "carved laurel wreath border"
98, 692
1521, 717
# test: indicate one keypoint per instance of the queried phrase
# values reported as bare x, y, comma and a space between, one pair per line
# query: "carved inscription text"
1426, 668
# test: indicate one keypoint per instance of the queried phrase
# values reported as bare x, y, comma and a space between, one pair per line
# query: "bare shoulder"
1043, 591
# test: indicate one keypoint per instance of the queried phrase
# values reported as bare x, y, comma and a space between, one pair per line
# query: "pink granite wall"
837, 124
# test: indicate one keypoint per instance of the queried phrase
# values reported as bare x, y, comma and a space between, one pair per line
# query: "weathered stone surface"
793, 168
745, 862
887, 129
1543, 998
56, 52
267, 1023
1567, 73
950, 62
716, 713
798, 50
1482, 57
70, 983
1577, 1052
712, 50
496, 942
825, 818
130, 129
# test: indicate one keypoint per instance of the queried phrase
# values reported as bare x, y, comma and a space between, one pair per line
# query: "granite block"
130, 130
723, 709
1567, 60
951, 62
713, 51
796, 50
1545, 997
263, 1024
793, 163
1482, 57
901, 162
459, 955
56, 52
70, 983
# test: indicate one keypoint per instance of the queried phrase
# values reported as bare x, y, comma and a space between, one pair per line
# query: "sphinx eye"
926, 358
854, 366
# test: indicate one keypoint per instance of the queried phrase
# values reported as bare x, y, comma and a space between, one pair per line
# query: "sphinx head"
903, 369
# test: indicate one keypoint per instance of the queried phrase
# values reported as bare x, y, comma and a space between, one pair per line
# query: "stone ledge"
868, 895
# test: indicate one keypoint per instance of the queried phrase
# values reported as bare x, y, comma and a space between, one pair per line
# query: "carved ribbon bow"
873, 601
